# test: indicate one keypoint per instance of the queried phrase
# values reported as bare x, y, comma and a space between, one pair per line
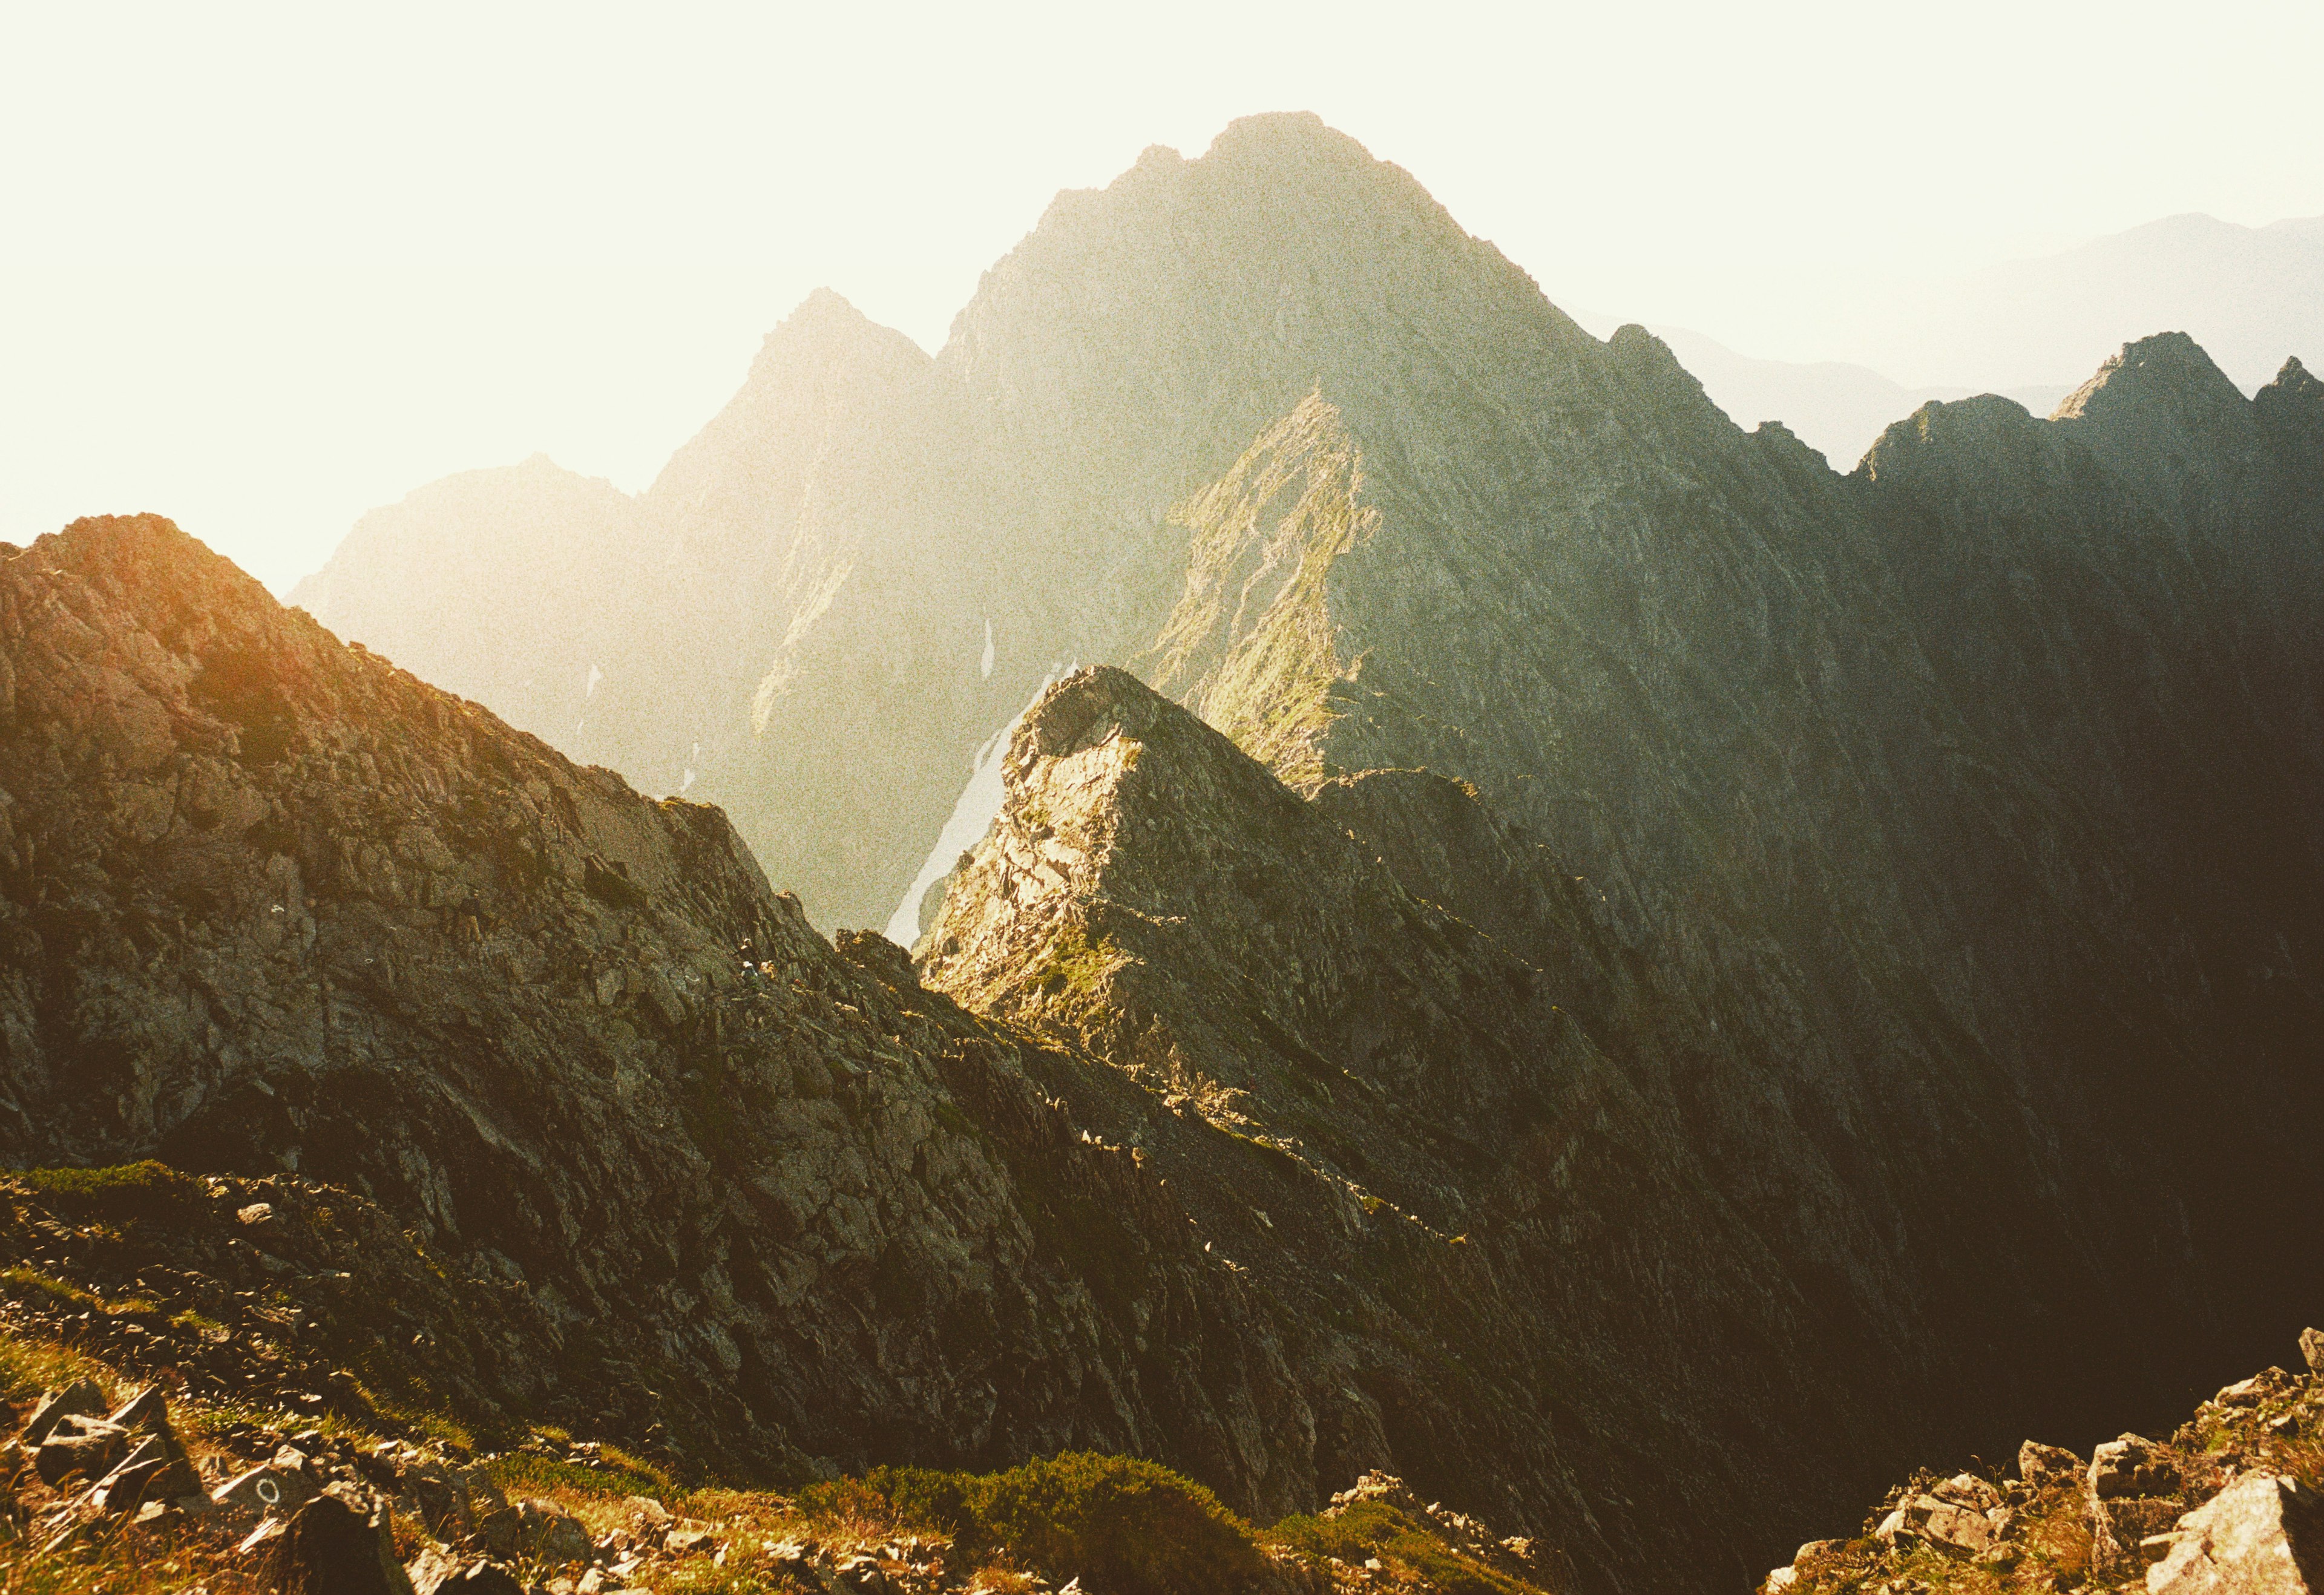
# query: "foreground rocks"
2228, 1505
252, 1509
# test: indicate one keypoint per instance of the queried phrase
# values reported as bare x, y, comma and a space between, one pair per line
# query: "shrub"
613, 1477
1123, 1525
1126, 1525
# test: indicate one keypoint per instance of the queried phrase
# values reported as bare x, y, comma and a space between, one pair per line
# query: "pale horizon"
272, 274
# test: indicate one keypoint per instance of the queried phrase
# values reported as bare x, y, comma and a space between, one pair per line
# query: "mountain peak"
1272, 133
2168, 368
824, 325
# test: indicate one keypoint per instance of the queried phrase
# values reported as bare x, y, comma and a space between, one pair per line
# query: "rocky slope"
272, 906
120, 1469
2227, 1504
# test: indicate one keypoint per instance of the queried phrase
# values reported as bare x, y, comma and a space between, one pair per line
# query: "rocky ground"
2229, 1504
112, 1482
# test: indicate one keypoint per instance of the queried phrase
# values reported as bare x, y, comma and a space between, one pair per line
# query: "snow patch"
988, 649
590, 691
972, 817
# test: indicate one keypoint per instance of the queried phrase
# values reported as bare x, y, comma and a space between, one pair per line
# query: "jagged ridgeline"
1581, 957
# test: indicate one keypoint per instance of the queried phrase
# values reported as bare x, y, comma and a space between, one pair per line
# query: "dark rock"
333, 1547
2130, 1466
83, 1445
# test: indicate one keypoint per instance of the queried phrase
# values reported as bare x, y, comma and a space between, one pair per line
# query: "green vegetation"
29, 1367
1075, 963
615, 1475
1123, 1525
1366, 1529
121, 1194
30, 1283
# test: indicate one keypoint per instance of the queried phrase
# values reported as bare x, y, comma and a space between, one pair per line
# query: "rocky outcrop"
2226, 1504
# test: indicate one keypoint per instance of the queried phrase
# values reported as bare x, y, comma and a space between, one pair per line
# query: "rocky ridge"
273, 906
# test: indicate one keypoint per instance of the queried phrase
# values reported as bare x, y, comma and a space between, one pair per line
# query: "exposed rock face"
270, 903
1497, 1258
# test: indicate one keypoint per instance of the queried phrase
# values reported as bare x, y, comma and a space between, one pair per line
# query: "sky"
265, 268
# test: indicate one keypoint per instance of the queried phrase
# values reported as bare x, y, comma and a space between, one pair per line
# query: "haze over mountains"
2028, 328
1668, 981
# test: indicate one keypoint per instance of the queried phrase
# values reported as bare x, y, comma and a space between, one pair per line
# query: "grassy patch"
1366, 1529
1125, 1525
1074, 964
33, 1286
616, 1476
127, 1192
28, 1367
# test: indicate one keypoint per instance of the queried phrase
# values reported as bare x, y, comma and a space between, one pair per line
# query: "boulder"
334, 1546
2261, 1536
147, 1412
2131, 1465
2312, 1349
154, 1471
2039, 1464
1951, 1528
691, 1541
435, 1573
550, 1534
84, 1445
266, 1489
81, 1398
1967, 1489
2252, 1391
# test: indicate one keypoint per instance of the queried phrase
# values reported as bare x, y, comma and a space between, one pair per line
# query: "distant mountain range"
1836, 408
2029, 329
1554, 945
2249, 295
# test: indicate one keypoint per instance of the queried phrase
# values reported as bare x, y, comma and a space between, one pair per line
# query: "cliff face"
269, 904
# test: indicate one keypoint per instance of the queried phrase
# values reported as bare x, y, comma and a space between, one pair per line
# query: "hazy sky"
261, 269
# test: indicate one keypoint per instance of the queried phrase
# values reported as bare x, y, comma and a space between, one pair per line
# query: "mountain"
514, 561
271, 906
1670, 982
1835, 408
2248, 295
